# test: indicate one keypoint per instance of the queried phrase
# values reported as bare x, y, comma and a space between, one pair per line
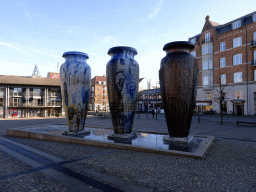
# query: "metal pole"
156, 100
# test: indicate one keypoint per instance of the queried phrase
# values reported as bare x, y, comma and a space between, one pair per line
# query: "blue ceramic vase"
122, 73
178, 77
75, 82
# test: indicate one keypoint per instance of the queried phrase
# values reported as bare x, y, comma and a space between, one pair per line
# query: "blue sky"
40, 31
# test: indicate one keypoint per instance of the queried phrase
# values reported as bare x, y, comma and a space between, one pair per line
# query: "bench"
252, 122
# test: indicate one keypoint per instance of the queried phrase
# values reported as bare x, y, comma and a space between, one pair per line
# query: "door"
239, 109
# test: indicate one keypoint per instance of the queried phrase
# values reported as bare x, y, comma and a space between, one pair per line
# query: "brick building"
99, 94
226, 57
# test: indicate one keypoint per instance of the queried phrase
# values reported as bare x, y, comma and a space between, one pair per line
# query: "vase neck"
178, 49
124, 52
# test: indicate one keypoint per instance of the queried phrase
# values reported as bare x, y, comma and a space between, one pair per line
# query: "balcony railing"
209, 40
253, 63
253, 43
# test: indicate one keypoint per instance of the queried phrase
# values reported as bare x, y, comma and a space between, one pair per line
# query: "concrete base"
178, 139
122, 137
139, 141
75, 134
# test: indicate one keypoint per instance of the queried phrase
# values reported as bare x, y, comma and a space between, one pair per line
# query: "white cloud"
156, 9
109, 39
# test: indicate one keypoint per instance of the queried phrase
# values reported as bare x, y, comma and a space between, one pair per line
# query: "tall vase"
75, 82
122, 73
178, 77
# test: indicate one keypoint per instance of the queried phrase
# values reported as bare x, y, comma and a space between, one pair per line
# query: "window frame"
210, 64
206, 78
207, 37
237, 42
223, 76
205, 65
235, 59
236, 77
205, 49
222, 60
222, 46
237, 24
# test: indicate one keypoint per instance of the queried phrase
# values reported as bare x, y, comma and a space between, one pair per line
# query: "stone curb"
198, 154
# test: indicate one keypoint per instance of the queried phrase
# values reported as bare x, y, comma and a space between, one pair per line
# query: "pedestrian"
153, 113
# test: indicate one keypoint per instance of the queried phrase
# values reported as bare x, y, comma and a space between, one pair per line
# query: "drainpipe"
247, 98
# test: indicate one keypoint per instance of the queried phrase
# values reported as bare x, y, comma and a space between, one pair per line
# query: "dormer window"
207, 37
193, 41
236, 24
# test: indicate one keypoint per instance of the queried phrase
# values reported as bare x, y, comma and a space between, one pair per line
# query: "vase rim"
75, 53
121, 48
183, 44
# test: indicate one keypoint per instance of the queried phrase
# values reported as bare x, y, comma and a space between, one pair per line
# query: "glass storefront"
25, 102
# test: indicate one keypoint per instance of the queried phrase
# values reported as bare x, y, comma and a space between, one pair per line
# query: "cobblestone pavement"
230, 164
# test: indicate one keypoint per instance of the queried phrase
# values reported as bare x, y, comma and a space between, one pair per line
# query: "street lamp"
156, 99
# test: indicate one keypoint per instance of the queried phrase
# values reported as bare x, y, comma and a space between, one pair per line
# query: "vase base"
179, 139
122, 137
78, 133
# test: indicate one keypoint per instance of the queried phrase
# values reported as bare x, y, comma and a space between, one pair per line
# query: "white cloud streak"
6, 44
156, 9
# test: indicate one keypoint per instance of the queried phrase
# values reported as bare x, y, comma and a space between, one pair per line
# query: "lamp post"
156, 99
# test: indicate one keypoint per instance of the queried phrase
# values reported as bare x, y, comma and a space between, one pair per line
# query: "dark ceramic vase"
75, 83
122, 73
178, 77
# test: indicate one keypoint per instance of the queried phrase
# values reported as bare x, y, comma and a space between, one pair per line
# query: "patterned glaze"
122, 83
75, 81
178, 77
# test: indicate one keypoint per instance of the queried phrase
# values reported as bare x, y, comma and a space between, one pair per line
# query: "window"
255, 55
254, 36
222, 46
237, 59
98, 94
223, 62
238, 94
205, 65
104, 83
207, 37
193, 41
205, 80
37, 92
210, 64
210, 80
205, 49
98, 88
223, 79
237, 42
210, 48
16, 101
236, 24
54, 93
99, 82
193, 53
254, 18
92, 88
254, 75
238, 77
208, 96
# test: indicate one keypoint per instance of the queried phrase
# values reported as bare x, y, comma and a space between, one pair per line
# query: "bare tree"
221, 93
